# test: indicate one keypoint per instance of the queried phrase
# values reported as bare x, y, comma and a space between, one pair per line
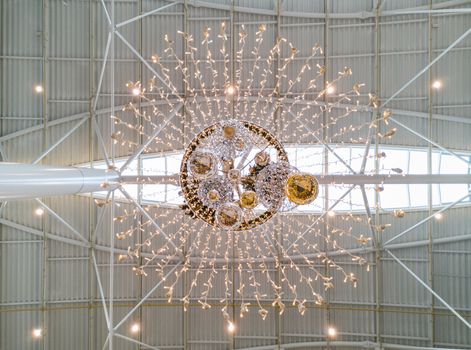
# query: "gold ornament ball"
301, 188
202, 164
229, 132
248, 200
262, 158
228, 216
213, 195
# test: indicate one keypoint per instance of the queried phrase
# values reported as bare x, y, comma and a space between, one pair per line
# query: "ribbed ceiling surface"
47, 277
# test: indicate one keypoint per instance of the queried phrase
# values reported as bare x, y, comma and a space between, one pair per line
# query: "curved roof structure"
71, 68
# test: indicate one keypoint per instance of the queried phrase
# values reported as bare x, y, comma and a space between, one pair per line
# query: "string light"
38, 89
206, 250
437, 84
37, 333
438, 216
135, 328
39, 211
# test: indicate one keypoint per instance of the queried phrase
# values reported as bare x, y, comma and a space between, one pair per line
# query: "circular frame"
189, 184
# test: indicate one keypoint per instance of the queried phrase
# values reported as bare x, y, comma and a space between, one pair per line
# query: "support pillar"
27, 181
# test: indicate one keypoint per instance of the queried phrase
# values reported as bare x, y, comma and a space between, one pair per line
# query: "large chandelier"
224, 188
236, 176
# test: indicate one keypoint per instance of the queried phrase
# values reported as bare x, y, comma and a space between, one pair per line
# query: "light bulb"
231, 327
37, 333
331, 213
39, 211
136, 91
438, 216
331, 332
437, 84
330, 90
135, 328
231, 89
38, 89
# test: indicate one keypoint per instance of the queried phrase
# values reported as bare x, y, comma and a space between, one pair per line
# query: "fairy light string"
249, 256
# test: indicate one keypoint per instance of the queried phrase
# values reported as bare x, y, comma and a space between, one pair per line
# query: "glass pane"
418, 162
394, 196
394, 159
335, 165
452, 165
310, 159
418, 195
452, 192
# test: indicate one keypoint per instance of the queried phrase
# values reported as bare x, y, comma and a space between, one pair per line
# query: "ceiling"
49, 264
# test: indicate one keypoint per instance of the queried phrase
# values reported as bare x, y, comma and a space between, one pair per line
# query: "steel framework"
356, 178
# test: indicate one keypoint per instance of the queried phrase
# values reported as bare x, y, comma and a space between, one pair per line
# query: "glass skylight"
309, 158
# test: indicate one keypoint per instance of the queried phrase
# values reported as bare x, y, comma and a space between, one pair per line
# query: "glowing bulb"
437, 84
331, 332
39, 211
135, 328
37, 332
438, 216
330, 90
38, 89
136, 91
331, 213
231, 90
231, 327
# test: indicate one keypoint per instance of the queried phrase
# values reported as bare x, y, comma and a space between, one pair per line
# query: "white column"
23, 181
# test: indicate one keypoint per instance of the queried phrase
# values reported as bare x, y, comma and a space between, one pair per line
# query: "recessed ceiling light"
135, 328
37, 333
331, 332
437, 84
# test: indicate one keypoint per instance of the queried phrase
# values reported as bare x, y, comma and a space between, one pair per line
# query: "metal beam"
141, 344
134, 51
105, 10
349, 179
395, 111
342, 344
119, 25
151, 138
102, 72
58, 142
448, 306
419, 74
2, 153
446, 150
107, 249
150, 218
61, 220
320, 217
426, 219
102, 293
145, 297
438, 9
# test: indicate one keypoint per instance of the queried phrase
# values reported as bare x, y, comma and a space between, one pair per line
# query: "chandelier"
236, 176
223, 187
